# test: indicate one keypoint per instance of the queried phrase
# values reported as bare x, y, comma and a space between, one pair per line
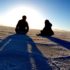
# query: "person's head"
24, 17
46, 21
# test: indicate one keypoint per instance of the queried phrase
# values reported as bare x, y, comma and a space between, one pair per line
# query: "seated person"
47, 31
22, 26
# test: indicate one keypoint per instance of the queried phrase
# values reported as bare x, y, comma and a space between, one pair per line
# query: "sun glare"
34, 17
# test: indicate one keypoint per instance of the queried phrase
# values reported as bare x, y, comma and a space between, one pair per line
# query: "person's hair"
24, 17
46, 21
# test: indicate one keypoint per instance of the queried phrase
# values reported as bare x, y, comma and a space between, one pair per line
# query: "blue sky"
57, 11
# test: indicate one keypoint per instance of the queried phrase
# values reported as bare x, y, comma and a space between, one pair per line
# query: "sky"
56, 11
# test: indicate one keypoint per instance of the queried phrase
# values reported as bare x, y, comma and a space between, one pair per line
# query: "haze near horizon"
56, 11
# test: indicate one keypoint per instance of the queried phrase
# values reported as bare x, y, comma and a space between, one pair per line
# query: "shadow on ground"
60, 62
19, 52
63, 43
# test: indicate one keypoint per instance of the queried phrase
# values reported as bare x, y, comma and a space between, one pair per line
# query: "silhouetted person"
22, 26
47, 30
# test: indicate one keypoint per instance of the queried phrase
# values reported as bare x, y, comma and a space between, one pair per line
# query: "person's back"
22, 26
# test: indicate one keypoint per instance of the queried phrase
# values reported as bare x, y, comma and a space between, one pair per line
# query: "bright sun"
34, 18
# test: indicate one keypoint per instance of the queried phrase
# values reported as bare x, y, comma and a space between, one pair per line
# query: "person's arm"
27, 27
17, 26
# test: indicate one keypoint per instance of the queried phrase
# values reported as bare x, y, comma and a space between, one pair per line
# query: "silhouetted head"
24, 17
46, 21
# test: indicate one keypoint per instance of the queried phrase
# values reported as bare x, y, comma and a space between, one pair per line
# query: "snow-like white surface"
31, 52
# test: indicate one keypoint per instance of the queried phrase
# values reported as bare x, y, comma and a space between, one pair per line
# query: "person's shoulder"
26, 22
19, 20
50, 24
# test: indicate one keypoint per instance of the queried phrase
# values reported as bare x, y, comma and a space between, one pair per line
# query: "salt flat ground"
55, 50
